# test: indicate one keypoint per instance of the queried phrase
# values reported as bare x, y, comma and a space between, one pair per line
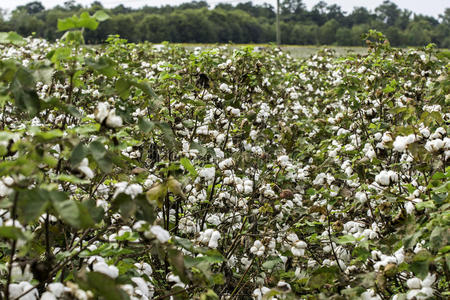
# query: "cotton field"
135, 172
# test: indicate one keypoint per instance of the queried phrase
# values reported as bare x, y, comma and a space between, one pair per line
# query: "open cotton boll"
160, 233
207, 173
17, 289
101, 112
414, 283
401, 142
113, 120
104, 268
56, 288
257, 248
84, 168
48, 296
214, 240
434, 145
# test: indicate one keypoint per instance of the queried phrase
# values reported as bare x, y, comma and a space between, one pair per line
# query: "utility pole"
278, 23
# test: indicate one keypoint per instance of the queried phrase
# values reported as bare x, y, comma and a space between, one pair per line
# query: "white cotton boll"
226, 163
429, 280
292, 237
214, 240
101, 112
414, 283
21, 274
56, 288
434, 145
301, 244
220, 138
235, 112
48, 296
297, 252
113, 121
207, 173
386, 138
425, 132
409, 207
361, 197
141, 286
427, 291
248, 189
393, 176
16, 289
160, 233
104, 268
84, 168
257, 248
144, 268
382, 178
134, 189
400, 143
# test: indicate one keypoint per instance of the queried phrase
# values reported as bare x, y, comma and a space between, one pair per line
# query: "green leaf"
420, 264
84, 21
11, 38
168, 136
104, 286
78, 154
24, 93
346, 239
101, 16
323, 276
123, 88
209, 295
12, 233
186, 163
270, 264
70, 211
104, 65
145, 125
31, 204
101, 156
125, 204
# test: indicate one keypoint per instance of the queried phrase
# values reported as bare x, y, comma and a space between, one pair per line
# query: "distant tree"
327, 32
193, 5
360, 15
344, 36
388, 12
32, 8
318, 13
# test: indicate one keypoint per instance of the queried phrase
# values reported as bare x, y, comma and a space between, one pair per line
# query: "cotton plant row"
291, 178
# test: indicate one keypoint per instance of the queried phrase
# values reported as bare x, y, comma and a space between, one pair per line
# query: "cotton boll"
48, 296
56, 288
409, 207
102, 267
160, 233
102, 111
141, 285
382, 178
214, 240
257, 248
414, 283
429, 280
113, 121
84, 168
434, 145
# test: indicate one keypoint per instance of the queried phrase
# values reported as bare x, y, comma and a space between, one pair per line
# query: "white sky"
427, 7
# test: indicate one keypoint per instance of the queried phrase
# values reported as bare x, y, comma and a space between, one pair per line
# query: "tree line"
196, 22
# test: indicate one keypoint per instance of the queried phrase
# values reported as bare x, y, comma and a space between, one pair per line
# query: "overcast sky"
427, 7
